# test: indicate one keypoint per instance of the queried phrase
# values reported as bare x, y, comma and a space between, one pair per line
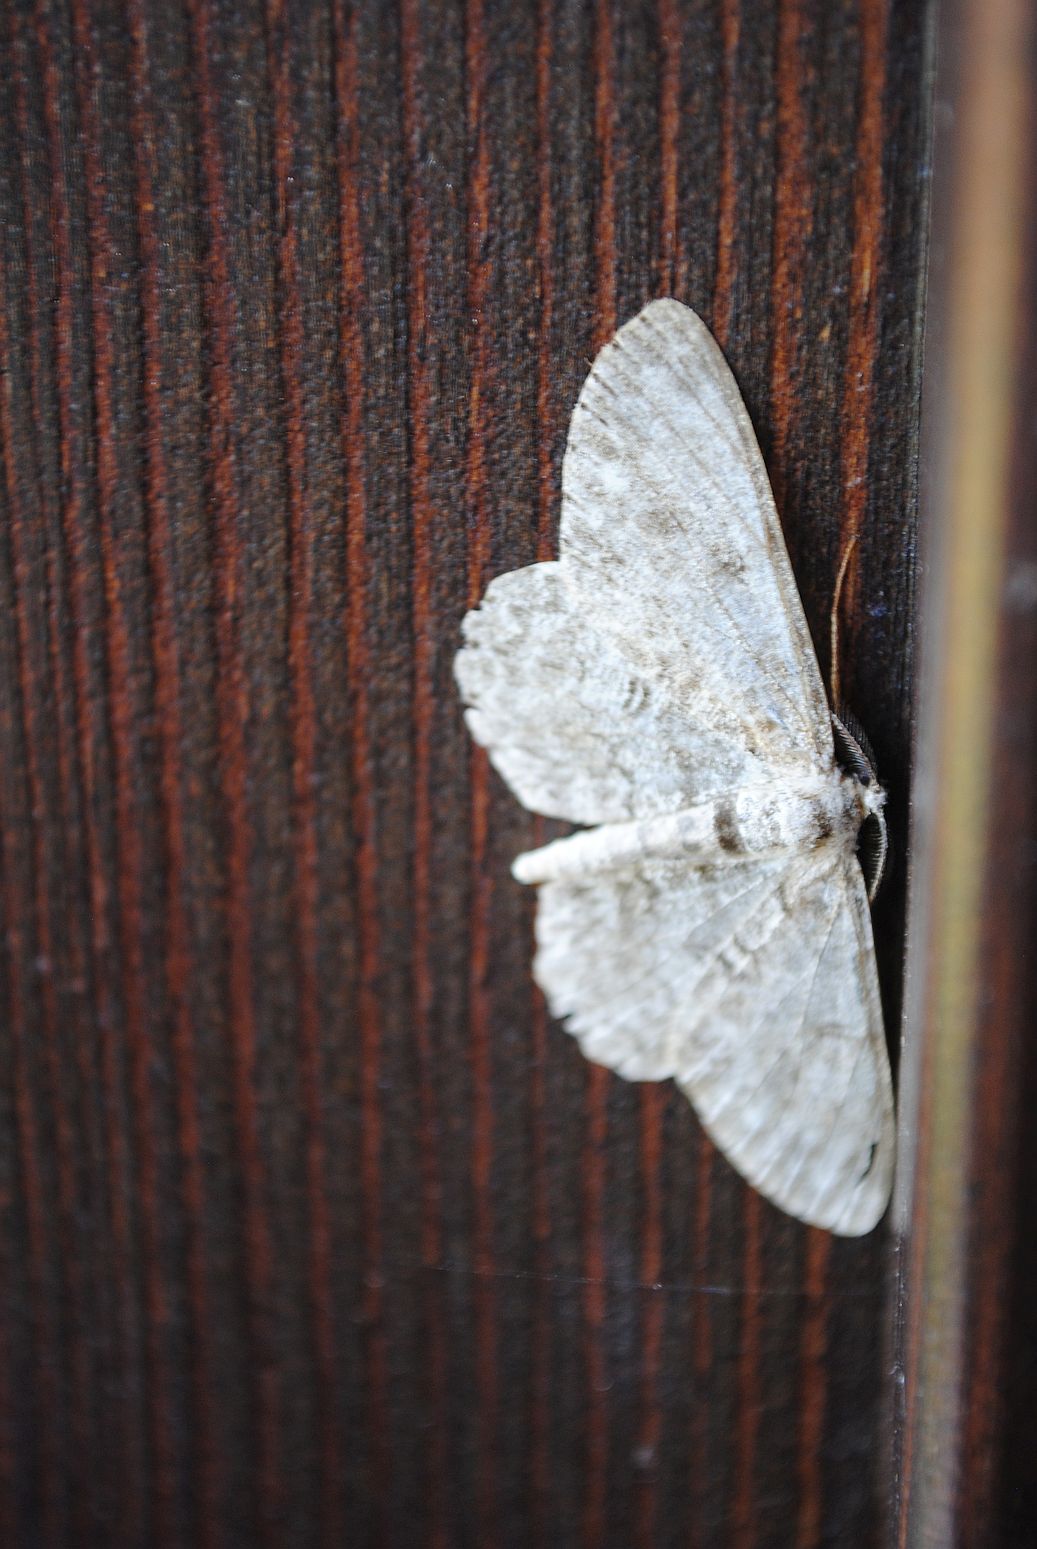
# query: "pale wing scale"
621, 956
751, 983
795, 1086
576, 728
665, 657
669, 529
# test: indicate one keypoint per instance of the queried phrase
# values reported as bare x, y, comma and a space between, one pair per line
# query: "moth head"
854, 754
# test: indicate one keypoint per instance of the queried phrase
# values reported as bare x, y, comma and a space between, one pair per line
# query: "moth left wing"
577, 727
670, 536
752, 983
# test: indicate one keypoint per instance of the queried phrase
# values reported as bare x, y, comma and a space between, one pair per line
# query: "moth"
657, 684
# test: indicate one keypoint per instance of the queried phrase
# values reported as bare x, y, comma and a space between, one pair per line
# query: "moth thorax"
794, 816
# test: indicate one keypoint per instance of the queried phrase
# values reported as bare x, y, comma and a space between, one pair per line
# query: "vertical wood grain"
314, 1229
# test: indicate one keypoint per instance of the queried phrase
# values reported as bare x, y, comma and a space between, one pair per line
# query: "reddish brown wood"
313, 1228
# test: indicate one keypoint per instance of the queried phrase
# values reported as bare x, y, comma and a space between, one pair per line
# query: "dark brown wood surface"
313, 1229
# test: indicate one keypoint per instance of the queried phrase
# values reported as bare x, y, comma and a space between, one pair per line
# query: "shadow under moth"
658, 685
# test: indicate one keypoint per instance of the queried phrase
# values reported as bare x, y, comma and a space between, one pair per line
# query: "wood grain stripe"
793, 223
652, 1109
420, 399
123, 718
16, 910
480, 1013
233, 699
744, 1507
724, 284
815, 1354
865, 305
303, 769
76, 543
671, 268
304, 736
351, 302
178, 965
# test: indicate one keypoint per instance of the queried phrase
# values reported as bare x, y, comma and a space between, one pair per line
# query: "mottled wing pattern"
752, 983
665, 657
669, 530
574, 725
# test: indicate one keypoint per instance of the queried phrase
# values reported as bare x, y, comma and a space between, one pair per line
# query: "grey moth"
657, 685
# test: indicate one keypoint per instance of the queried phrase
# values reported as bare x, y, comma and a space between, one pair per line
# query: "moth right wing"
752, 983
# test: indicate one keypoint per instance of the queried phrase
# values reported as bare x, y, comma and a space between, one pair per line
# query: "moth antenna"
833, 623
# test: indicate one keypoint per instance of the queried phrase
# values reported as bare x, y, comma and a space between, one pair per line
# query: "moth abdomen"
763, 819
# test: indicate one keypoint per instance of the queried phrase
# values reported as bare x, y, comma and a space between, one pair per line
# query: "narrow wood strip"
178, 961
45, 1317
76, 543
744, 1508
420, 399
480, 1011
232, 699
814, 1358
29, 595
122, 717
793, 221
605, 319
701, 1340
306, 890
671, 278
53, 1516
652, 1109
864, 302
727, 197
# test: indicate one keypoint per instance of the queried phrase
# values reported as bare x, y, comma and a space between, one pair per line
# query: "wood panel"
313, 1228
964, 1436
